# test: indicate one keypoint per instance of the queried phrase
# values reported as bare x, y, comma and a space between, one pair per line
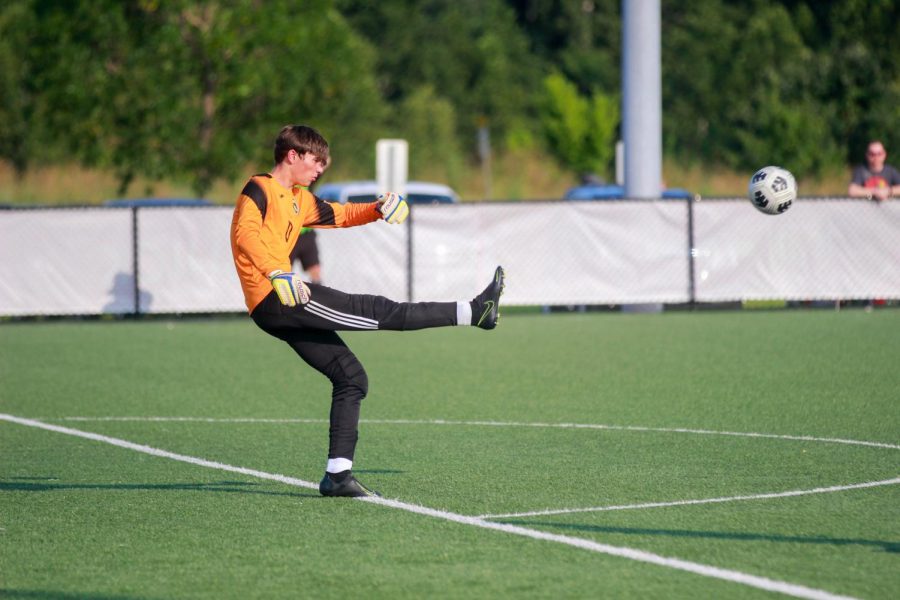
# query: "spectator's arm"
858, 191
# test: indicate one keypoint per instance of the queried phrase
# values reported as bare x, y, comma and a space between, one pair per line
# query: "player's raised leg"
334, 310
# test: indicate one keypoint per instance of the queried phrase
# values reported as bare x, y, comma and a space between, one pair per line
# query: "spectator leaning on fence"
875, 180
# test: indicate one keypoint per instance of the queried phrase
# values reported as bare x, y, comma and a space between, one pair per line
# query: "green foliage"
580, 130
857, 39
775, 119
470, 52
15, 105
603, 120
801, 83
192, 90
195, 91
581, 39
790, 135
428, 123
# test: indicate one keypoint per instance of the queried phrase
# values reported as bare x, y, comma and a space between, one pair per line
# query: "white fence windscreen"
66, 262
554, 253
82, 261
823, 249
184, 261
186, 265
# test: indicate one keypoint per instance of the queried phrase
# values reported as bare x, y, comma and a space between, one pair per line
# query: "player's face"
306, 168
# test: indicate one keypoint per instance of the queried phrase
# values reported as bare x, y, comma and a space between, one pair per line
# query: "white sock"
463, 314
336, 465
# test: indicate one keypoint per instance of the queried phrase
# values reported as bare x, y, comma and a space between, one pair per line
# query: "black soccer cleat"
349, 487
486, 305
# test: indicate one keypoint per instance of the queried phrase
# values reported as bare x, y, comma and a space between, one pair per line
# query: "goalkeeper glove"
290, 288
393, 208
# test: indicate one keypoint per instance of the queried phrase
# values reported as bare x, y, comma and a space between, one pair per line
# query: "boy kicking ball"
270, 212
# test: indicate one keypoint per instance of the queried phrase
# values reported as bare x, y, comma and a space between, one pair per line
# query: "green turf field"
553, 457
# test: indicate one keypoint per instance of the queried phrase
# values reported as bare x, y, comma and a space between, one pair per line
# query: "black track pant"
310, 331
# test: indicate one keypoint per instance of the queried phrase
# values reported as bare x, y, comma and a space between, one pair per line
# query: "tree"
184, 89
238, 72
856, 43
580, 130
428, 123
16, 99
580, 39
469, 52
797, 82
196, 90
741, 88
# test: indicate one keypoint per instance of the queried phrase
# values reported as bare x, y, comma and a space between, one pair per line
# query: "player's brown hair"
303, 139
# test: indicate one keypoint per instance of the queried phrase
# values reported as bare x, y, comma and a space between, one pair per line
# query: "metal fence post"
409, 255
692, 253
134, 259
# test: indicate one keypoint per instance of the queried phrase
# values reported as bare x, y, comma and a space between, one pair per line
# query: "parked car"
155, 202
417, 192
594, 191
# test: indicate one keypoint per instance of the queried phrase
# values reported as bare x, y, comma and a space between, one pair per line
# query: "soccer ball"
772, 190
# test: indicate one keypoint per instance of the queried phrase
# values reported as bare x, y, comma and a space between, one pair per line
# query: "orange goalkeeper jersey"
267, 220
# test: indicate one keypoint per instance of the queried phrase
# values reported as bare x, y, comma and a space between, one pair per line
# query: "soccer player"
270, 212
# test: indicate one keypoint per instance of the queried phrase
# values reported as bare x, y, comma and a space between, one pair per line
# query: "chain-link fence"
821, 249
178, 260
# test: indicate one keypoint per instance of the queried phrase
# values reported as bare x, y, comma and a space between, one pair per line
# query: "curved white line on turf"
825, 490
182, 420
755, 581
772, 436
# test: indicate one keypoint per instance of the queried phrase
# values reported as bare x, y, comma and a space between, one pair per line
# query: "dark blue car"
156, 202
596, 191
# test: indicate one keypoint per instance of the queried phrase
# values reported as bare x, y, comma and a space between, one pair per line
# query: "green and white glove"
393, 208
290, 288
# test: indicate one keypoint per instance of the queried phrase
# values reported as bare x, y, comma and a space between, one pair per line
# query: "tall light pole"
642, 98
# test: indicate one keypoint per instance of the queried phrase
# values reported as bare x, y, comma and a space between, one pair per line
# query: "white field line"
763, 583
571, 426
772, 436
823, 490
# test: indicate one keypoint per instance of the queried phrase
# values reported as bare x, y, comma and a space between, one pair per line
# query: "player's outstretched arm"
390, 207
328, 215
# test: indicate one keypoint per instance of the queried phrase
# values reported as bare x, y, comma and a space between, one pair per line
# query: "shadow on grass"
11, 594
49, 484
886, 546
378, 471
